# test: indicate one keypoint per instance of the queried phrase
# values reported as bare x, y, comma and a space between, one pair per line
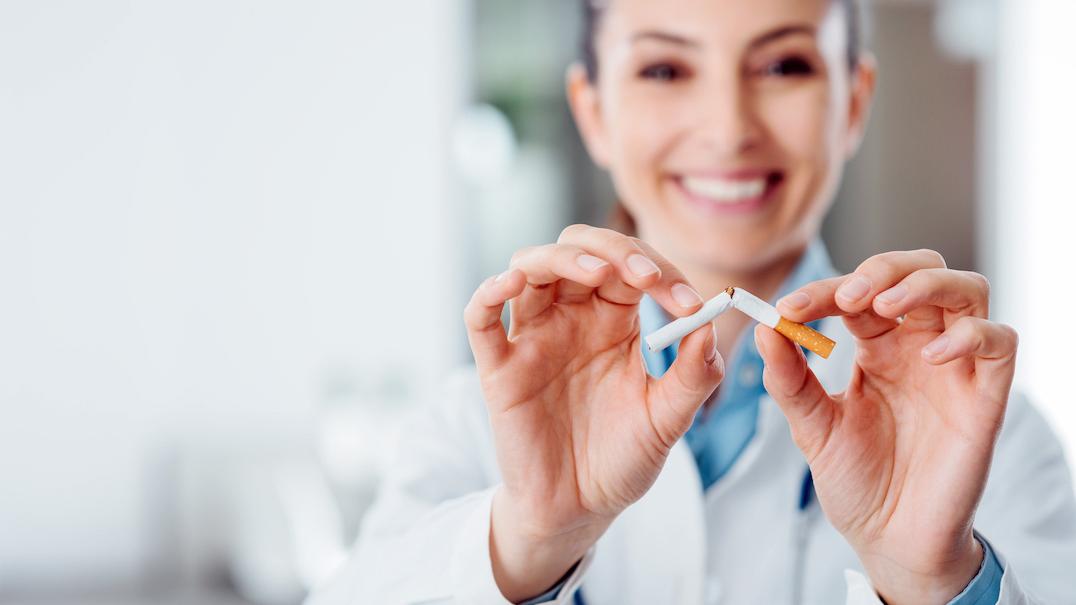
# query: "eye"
791, 66
662, 72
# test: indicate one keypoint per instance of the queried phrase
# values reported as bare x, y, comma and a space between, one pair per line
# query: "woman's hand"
581, 430
900, 459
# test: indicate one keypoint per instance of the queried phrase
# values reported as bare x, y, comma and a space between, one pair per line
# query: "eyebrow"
783, 32
664, 37
762, 40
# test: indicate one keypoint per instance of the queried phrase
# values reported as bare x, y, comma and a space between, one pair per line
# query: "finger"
549, 268
973, 337
797, 391
635, 271
482, 316
687, 384
924, 293
818, 299
640, 268
992, 346
880, 273
672, 292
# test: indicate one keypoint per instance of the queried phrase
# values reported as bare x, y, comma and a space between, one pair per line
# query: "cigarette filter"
764, 313
680, 328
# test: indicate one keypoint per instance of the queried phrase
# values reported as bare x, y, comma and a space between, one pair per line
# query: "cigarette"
749, 304
764, 313
680, 328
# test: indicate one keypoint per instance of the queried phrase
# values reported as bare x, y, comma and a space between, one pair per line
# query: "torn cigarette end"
806, 336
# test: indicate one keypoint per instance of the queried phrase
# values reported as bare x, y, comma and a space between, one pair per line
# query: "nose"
727, 122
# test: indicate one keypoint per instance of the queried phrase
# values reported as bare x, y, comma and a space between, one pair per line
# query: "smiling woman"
572, 464
758, 116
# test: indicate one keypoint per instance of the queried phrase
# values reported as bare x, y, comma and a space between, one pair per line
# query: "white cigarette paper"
752, 306
755, 308
680, 328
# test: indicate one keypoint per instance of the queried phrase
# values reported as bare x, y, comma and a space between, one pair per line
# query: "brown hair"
592, 12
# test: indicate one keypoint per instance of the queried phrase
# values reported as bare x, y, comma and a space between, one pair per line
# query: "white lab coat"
743, 541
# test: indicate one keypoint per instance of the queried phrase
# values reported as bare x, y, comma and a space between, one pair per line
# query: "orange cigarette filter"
809, 338
765, 313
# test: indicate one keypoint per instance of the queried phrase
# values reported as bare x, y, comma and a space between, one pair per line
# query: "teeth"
725, 191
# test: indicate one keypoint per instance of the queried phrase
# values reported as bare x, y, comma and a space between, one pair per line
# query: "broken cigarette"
752, 306
680, 328
764, 313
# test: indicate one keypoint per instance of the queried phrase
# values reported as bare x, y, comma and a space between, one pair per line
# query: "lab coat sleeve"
1028, 513
425, 538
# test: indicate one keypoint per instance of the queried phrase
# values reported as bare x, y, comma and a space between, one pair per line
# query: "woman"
557, 473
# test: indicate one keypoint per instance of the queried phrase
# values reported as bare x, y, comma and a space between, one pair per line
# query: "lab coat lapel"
655, 552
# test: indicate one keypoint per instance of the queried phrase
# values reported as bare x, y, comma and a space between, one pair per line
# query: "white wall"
204, 208
1033, 239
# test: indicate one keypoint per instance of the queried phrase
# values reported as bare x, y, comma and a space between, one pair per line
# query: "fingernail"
893, 295
795, 301
937, 348
854, 289
641, 265
502, 276
685, 295
590, 263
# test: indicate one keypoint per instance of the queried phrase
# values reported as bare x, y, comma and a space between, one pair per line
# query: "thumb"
690, 380
810, 410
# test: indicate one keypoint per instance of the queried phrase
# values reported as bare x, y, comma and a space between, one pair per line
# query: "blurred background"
236, 239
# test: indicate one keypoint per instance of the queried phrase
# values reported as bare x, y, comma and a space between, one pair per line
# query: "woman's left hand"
900, 459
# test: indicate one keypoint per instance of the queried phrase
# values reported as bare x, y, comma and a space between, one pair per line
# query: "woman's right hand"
581, 431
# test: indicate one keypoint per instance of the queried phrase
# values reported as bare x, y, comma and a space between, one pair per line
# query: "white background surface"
1033, 244
204, 208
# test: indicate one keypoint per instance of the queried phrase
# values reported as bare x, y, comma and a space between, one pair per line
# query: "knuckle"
879, 263
1012, 337
573, 231
932, 257
638, 246
614, 240
519, 255
982, 284
469, 312
527, 254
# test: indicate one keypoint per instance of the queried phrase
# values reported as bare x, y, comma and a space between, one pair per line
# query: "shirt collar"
815, 264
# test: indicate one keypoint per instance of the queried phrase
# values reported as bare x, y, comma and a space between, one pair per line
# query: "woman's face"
725, 124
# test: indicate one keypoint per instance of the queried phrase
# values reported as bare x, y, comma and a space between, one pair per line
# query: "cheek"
801, 123
643, 129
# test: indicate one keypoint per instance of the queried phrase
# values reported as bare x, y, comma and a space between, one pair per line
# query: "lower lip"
745, 206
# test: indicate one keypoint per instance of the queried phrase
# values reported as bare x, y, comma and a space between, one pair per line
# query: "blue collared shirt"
720, 433
722, 430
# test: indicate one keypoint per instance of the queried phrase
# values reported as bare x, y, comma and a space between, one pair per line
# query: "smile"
744, 193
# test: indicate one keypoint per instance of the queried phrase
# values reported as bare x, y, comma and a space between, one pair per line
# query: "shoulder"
1029, 467
1026, 429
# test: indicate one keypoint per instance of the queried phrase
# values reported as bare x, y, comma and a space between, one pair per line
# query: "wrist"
528, 558
938, 582
545, 520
